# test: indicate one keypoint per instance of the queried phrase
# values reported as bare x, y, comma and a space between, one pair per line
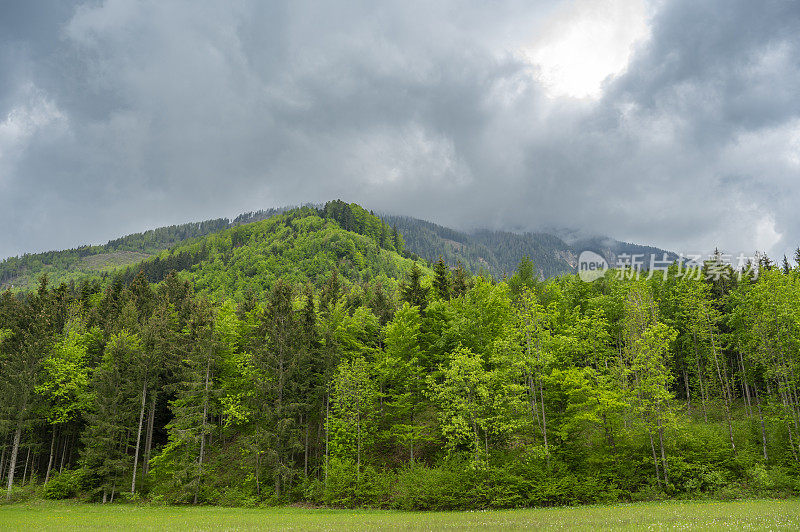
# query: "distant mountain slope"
181, 247
499, 252
302, 245
87, 261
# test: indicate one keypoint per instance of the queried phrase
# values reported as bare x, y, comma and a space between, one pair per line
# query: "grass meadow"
671, 515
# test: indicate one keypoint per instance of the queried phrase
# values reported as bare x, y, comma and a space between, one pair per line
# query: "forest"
301, 358
484, 252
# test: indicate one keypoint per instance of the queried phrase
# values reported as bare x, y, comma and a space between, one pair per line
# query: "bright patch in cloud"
22, 123
585, 42
766, 234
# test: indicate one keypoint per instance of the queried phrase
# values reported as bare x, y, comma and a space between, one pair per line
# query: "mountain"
211, 250
302, 246
499, 252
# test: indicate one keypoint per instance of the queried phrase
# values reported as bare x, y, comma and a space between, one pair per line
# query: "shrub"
452, 485
64, 485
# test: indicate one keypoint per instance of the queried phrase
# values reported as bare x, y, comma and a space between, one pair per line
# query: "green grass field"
738, 515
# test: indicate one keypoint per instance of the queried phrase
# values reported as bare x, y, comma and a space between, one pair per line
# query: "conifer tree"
28, 333
112, 416
397, 239
412, 291
460, 279
180, 466
441, 280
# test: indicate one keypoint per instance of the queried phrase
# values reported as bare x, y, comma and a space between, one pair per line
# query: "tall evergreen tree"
412, 291
441, 280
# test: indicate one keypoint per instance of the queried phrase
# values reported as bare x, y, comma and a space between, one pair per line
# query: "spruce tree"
441, 280
460, 279
412, 290
397, 239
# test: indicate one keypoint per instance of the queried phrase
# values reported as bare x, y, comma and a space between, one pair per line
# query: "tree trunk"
258, 466
358, 452
50, 461
791, 441
25, 470
138, 438
63, 453
655, 457
607, 429
3, 458
148, 445
327, 454
761, 419
534, 401
700, 378
688, 394
726, 391
544, 424
411, 450
13, 461
746, 385
203, 434
305, 450
663, 453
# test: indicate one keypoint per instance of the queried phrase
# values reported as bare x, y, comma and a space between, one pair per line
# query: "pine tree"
28, 334
180, 466
441, 280
460, 279
397, 239
112, 416
412, 290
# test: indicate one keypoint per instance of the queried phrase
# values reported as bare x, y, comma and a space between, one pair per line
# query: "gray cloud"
119, 116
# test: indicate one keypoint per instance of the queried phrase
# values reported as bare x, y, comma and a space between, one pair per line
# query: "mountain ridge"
496, 253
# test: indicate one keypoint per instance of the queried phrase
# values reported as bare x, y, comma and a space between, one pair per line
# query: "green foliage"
21, 273
65, 485
412, 291
300, 358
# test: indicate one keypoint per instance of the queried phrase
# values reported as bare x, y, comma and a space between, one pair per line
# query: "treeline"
446, 391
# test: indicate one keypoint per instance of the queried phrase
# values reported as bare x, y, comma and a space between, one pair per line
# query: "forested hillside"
494, 253
499, 252
89, 261
303, 245
302, 359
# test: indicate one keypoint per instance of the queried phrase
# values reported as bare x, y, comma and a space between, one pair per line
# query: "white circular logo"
591, 266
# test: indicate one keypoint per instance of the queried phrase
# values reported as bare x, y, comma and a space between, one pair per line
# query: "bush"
64, 485
452, 485
345, 488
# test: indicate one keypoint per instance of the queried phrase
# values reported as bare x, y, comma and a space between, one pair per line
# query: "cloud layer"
118, 116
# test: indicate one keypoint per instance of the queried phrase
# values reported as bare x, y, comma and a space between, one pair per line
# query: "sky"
673, 123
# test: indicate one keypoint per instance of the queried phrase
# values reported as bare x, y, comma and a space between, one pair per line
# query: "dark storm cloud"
118, 116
